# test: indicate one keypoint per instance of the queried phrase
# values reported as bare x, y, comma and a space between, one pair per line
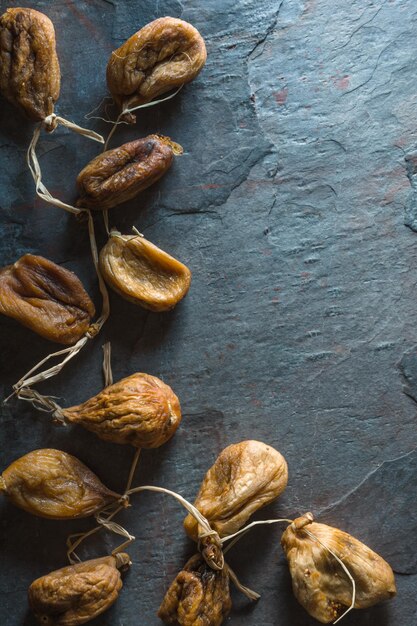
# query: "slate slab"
289, 205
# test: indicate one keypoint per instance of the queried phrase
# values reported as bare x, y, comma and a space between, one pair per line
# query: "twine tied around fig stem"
104, 519
22, 389
209, 542
130, 110
308, 519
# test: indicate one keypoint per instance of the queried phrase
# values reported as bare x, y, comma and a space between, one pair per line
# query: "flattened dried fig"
142, 273
162, 55
199, 596
244, 477
29, 68
118, 175
47, 298
78, 593
140, 410
53, 484
320, 584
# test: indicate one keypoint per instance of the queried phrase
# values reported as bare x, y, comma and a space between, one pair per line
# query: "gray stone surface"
288, 205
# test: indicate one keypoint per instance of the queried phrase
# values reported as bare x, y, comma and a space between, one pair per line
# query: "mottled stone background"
300, 329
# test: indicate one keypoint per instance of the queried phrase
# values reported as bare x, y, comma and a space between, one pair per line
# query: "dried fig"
47, 298
244, 477
162, 55
29, 68
118, 175
140, 410
199, 596
53, 484
78, 593
142, 273
319, 583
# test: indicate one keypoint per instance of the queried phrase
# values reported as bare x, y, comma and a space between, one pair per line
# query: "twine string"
33, 162
107, 369
206, 532
128, 110
235, 537
104, 519
345, 569
28, 379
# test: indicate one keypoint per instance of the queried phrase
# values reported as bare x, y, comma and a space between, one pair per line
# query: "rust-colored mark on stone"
281, 96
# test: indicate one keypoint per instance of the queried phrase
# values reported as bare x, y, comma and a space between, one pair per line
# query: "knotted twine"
22, 389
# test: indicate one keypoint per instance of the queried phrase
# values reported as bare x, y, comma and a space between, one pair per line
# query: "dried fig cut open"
140, 410
56, 485
142, 273
29, 67
118, 175
319, 583
47, 298
245, 477
78, 593
199, 596
163, 55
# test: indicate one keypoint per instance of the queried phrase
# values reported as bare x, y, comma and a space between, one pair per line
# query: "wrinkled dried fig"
78, 593
140, 410
142, 273
47, 298
199, 596
319, 583
53, 484
118, 175
29, 68
244, 477
162, 55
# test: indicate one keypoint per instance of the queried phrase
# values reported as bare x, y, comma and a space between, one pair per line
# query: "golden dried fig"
78, 593
29, 68
118, 175
53, 484
319, 583
140, 410
47, 298
162, 55
199, 596
142, 273
244, 477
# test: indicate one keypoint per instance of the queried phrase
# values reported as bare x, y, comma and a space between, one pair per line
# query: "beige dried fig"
199, 596
161, 56
118, 175
53, 484
142, 273
78, 593
245, 477
319, 582
29, 67
140, 410
47, 298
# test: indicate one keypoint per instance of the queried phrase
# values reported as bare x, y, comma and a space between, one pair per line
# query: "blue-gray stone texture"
294, 207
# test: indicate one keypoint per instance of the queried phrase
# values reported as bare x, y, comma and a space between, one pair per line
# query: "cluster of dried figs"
245, 477
140, 409
164, 54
